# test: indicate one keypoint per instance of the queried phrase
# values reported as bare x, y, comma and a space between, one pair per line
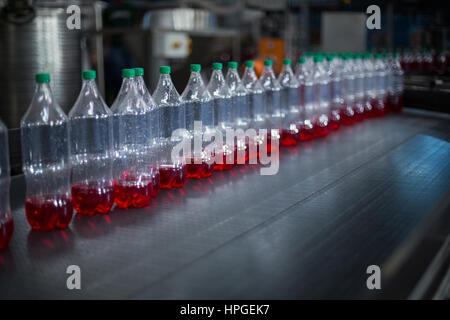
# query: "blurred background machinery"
124, 33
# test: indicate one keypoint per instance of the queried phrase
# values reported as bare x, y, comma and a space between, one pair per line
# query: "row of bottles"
424, 62
98, 157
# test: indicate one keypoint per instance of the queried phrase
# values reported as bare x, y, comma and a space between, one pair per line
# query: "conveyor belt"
367, 194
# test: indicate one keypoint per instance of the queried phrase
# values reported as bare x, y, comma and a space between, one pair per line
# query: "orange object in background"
270, 48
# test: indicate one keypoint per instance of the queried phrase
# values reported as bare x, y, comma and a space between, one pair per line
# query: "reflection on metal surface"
182, 19
42, 44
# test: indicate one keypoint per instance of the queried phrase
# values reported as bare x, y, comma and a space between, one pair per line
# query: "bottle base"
45, 212
91, 198
172, 177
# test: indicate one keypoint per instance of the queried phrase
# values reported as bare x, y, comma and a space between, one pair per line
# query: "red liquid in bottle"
379, 107
6, 232
199, 170
368, 110
135, 193
347, 116
91, 197
335, 120
321, 128
156, 184
238, 151
359, 112
289, 138
224, 166
45, 212
172, 177
306, 132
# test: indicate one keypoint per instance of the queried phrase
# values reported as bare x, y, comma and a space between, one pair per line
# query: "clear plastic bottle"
358, 72
154, 127
240, 101
6, 219
368, 85
321, 97
348, 113
199, 107
305, 77
380, 102
272, 100
133, 180
223, 116
45, 160
173, 172
396, 99
256, 106
336, 100
290, 104
389, 79
90, 132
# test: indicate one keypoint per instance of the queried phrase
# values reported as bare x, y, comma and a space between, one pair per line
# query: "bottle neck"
127, 83
268, 72
217, 77
90, 87
250, 74
287, 69
165, 80
233, 79
195, 79
43, 89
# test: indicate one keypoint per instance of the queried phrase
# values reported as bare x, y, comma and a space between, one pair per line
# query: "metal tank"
36, 39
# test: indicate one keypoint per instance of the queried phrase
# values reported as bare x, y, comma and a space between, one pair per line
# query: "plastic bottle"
272, 100
305, 78
380, 102
173, 172
337, 100
153, 126
256, 106
91, 150
441, 62
427, 62
396, 99
290, 104
6, 218
389, 79
358, 71
369, 90
199, 107
133, 180
348, 113
321, 97
223, 116
45, 160
240, 101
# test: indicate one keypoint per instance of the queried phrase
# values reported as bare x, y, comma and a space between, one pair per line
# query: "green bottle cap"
232, 65
128, 73
267, 62
217, 66
139, 71
164, 69
196, 67
286, 61
329, 57
249, 63
42, 77
89, 74
318, 58
302, 60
